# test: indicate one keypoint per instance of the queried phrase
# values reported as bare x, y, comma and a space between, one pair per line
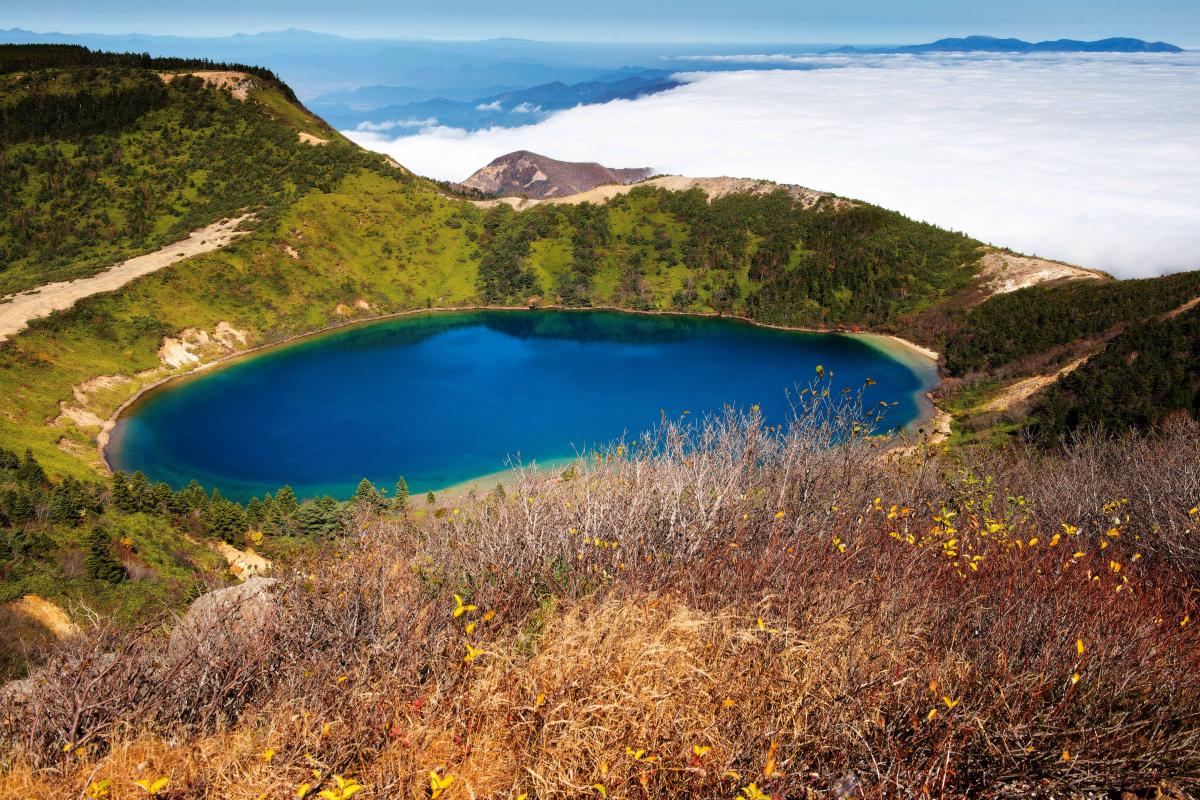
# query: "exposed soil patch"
17, 310
713, 187
238, 83
1006, 272
46, 613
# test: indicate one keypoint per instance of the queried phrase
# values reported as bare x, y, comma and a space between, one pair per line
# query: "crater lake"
442, 398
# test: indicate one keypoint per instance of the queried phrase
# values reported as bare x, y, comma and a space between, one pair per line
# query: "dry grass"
715, 606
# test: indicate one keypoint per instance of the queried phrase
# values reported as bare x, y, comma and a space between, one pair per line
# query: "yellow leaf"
302, 790
599, 787
728, 702
460, 608
950, 704
700, 751
932, 713
472, 654
770, 769
1066, 756
267, 755
637, 754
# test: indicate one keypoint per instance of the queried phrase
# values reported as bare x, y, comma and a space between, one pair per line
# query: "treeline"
37, 113
43, 521
1019, 324
33, 57
1144, 375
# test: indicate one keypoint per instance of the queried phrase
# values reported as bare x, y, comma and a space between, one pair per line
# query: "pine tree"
30, 472
431, 498
100, 564
223, 519
66, 502
368, 497
285, 501
122, 497
400, 500
318, 517
193, 497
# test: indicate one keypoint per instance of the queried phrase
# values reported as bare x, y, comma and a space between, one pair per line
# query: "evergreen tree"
254, 512
193, 497
140, 491
431, 498
223, 519
318, 517
100, 564
285, 501
367, 496
18, 503
122, 497
30, 472
9, 459
66, 502
400, 500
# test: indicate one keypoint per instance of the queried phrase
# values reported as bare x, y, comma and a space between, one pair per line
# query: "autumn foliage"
719, 609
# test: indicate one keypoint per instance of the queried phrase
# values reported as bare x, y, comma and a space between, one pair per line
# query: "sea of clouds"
1092, 159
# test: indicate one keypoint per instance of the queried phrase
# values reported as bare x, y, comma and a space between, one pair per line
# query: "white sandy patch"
308, 138
17, 310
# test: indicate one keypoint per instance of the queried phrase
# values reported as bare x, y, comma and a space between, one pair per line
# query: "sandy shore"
16, 311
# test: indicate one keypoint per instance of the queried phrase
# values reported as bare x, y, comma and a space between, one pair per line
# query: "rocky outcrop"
224, 617
526, 174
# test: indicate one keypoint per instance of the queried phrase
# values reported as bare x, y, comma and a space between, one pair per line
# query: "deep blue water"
443, 398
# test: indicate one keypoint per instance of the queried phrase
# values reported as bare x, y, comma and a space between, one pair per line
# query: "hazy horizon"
629, 21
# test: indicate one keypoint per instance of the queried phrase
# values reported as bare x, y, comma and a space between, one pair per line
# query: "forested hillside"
1029, 322
767, 256
1146, 374
102, 161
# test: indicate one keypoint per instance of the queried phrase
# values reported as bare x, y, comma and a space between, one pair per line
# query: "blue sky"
862, 21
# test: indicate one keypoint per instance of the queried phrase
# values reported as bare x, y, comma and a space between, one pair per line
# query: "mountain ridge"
993, 44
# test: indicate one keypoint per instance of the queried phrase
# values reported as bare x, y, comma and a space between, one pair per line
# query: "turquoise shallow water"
443, 398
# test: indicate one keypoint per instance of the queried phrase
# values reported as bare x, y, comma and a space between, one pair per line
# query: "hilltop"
725, 609
526, 174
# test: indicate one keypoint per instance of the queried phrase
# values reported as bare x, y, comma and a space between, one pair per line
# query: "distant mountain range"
991, 44
506, 109
526, 174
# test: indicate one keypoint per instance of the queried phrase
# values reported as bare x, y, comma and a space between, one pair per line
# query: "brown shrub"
828, 622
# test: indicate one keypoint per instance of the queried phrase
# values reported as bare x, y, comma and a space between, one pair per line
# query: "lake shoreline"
921, 359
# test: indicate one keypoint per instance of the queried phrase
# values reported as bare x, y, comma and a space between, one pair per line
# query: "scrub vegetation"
716, 610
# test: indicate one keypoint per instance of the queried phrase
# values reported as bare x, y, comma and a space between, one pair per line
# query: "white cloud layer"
393, 124
1088, 159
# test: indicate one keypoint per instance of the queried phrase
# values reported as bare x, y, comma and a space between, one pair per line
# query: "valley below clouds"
1083, 158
